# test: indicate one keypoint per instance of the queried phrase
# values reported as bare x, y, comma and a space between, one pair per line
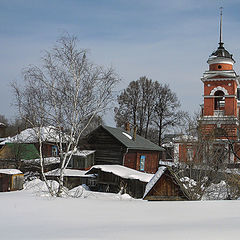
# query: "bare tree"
152, 106
166, 111
66, 92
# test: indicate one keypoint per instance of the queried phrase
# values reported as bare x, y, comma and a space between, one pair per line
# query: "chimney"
134, 132
127, 127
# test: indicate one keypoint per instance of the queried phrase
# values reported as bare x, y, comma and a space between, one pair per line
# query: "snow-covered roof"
154, 179
68, 173
47, 161
167, 163
2, 125
124, 172
83, 153
185, 138
168, 144
10, 171
30, 135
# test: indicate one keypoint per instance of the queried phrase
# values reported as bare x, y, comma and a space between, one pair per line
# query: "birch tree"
66, 92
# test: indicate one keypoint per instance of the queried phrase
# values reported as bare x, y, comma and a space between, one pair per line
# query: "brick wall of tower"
230, 102
223, 67
210, 85
230, 106
230, 130
208, 107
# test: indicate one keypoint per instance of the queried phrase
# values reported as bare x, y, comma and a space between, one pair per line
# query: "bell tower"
220, 112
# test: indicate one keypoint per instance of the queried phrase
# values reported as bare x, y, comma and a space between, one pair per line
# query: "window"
54, 151
142, 162
218, 99
92, 182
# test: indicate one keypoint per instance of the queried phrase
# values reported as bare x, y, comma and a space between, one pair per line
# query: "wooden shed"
82, 160
72, 177
165, 186
121, 147
116, 178
11, 180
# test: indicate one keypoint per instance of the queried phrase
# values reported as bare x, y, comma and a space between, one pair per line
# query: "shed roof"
123, 172
68, 173
126, 139
10, 171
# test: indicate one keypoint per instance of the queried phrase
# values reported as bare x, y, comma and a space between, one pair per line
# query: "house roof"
123, 172
30, 135
126, 139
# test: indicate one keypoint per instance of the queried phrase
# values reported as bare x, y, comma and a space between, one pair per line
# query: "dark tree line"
149, 105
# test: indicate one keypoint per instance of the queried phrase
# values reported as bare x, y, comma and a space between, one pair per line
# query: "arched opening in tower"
219, 100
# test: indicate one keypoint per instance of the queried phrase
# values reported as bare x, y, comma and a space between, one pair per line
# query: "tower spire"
220, 32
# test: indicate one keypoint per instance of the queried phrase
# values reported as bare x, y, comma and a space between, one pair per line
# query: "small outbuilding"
165, 186
11, 180
72, 177
82, 160
117, 178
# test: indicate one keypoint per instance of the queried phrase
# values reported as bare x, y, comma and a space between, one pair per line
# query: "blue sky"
168, 41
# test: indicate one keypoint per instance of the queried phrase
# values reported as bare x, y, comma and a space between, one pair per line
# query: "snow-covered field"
25, 215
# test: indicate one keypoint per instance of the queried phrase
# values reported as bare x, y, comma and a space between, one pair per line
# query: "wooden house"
22, 150
121, 147
165, 186
72, 178
11, 180
49, 137
117, 178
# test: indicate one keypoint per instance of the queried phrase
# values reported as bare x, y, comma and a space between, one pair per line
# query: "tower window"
219, 98
219, 66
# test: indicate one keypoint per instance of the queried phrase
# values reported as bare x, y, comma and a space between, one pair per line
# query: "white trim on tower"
219, 88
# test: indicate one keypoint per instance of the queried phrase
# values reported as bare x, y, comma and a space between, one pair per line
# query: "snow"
185, 138
47, 161
83, 153
10, 171
29, 135
127, 135
124, 172
68, 173
154, 179
167, 163
104, 216
217, 191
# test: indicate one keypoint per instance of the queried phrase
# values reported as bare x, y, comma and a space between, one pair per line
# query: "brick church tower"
220, 111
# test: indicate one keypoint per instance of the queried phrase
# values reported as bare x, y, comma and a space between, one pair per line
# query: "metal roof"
125, 138
222, 52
